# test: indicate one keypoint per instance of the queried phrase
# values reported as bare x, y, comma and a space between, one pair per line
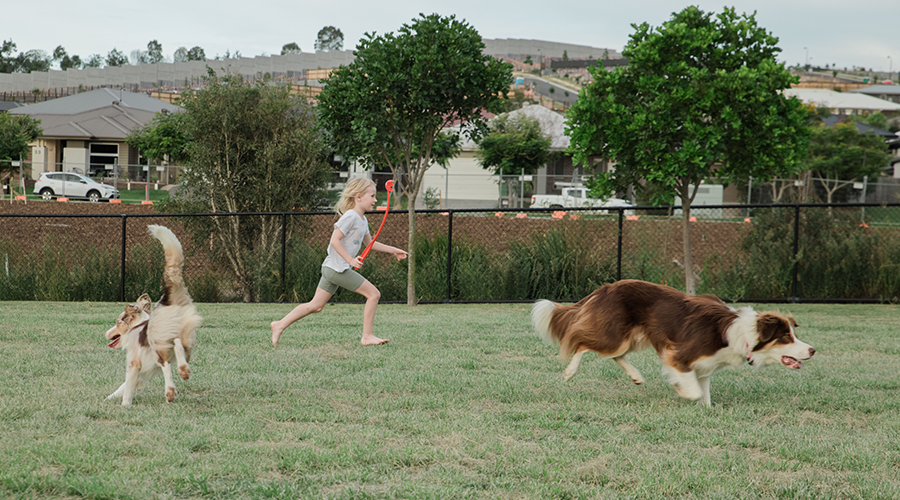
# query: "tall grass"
838, 257
463, 403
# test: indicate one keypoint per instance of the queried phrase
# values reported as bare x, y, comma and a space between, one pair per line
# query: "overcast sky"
861, 33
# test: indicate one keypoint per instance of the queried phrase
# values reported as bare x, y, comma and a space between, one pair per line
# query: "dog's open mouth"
115, 342
791, 362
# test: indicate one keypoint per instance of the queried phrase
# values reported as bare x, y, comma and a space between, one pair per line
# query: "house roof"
7, 105
99, 114
95, 99
842, 100
862, 128
878, 90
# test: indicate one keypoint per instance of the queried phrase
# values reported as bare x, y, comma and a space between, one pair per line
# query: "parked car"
576, 197
70, 185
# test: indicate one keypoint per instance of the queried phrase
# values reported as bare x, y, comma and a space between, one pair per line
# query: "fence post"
795, 270
283, 252
619, 250
449, 250
122, 279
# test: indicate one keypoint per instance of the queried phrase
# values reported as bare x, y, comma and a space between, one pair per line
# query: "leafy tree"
253, 148
229, 55
115, 57
155, 52
196, 54
139, 57
7, 60
16, 132
95, 61
165, 138
515, 145
877, 120
840, 155
180, 55
66, 61
700, 96
390, 104
329, 38
33, 60
290, 48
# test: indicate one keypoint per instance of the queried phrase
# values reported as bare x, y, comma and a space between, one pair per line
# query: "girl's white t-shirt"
355, 227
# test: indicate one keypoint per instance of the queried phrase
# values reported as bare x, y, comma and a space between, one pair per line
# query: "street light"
806, 66
890, 65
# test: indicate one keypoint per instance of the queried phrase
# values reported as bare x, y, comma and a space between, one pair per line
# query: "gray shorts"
331, 280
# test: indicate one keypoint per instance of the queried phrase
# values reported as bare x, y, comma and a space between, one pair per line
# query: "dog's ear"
144, 302
769, 327
132, 310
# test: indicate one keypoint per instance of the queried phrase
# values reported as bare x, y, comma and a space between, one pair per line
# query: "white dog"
153, 338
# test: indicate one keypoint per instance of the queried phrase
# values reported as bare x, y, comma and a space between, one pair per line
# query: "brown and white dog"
153, 338
693, 336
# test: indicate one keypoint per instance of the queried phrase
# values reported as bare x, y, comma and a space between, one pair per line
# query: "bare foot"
276, 333
373, 340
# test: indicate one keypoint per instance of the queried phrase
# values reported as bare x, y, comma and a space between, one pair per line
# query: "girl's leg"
372, 296
313, 306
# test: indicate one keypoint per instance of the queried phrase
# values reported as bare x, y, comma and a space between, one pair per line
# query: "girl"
351, 233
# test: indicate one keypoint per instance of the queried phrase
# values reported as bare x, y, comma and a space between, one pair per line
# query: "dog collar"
748, 355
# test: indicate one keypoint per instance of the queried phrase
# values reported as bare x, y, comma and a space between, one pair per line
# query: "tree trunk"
411, 251
689, 282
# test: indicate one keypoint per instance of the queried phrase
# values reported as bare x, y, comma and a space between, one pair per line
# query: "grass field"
465, 402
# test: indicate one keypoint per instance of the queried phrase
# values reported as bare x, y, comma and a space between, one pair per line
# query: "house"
85, 133
845, 103
465, 184
884, 92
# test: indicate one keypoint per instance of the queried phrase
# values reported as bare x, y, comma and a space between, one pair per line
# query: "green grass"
465, 402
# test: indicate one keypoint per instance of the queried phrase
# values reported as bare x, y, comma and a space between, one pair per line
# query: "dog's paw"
170, 394
184, 371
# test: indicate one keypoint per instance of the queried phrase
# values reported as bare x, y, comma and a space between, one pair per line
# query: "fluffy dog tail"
175, 293
541, 314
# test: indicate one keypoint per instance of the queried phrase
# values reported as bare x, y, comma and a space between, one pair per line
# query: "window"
102, 155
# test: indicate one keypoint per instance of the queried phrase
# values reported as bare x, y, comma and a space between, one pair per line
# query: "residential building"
85, 133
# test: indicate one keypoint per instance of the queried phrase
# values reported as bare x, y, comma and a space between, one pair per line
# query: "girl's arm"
336, 238
396, 252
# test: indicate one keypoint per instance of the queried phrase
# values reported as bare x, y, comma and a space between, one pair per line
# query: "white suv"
70, 185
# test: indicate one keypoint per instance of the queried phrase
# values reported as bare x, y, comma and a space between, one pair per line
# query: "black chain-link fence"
760, 253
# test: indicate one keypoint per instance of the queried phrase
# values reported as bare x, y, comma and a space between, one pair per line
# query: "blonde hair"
348, 197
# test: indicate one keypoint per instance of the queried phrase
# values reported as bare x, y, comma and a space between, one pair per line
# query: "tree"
95, 61
196, 54
115, 57
329, 38
389, 105
700, 96
66, 61
165, 138
253, 148
180, 55
155, 52
33, 60
7, 61
16, 132
840, 155
139, 57
515, 145
290, 48
876, 119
